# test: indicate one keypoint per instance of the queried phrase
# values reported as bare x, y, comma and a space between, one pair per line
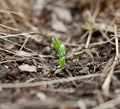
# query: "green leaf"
56, 43
62, 62
62, 50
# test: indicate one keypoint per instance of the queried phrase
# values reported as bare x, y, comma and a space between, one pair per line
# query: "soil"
30, 77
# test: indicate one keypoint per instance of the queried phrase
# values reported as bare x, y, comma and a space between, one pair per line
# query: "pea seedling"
60, 48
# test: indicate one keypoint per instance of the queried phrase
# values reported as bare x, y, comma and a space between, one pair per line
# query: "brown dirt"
90, 30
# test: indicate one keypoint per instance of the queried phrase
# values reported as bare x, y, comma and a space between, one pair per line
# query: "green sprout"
60, 48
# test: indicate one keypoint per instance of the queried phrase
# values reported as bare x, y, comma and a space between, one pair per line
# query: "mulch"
30, 77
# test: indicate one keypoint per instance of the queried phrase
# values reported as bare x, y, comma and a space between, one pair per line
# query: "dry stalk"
23, 45
106, 84
82, 104
109, 104
9, 51
104, 35
9, 14
83, 37
41, 83
88, 39
9, 61
18, 45
16, 35
8, 27
93, 44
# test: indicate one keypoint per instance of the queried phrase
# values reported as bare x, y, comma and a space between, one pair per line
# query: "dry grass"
90, 31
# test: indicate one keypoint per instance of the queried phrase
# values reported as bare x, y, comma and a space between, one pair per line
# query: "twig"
106, 84
8, 61
88, 39
18, 85
109, 104
28, 49
16, 35
8, 51
93, 44
116, 42
23, 45
82, 104
8, 27
104, 35
9, 14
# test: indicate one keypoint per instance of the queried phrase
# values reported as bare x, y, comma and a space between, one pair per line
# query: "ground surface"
29, 74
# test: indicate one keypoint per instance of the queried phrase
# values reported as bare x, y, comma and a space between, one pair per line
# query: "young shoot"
60, 48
